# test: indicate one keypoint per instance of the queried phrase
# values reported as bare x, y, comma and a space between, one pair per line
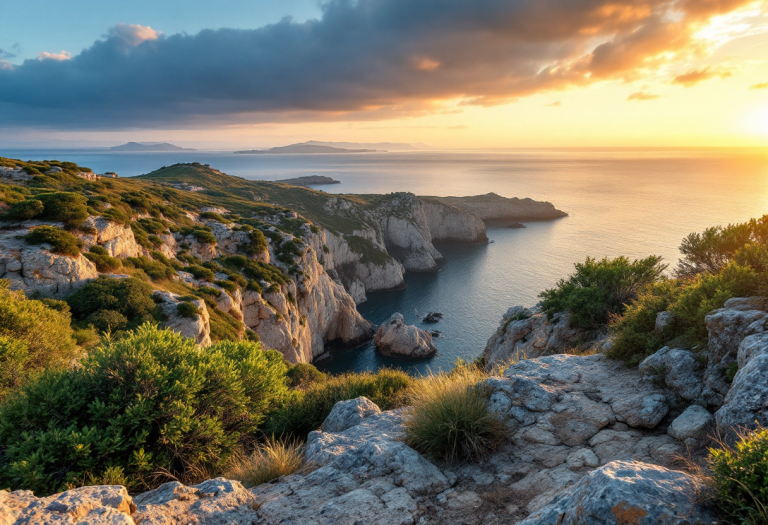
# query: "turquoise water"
620, 202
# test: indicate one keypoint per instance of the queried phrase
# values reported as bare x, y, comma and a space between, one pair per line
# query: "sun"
759, 121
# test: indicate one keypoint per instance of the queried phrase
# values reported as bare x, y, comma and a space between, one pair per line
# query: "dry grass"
269, 461
449, 417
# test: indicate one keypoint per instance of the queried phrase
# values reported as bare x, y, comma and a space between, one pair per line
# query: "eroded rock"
394, 338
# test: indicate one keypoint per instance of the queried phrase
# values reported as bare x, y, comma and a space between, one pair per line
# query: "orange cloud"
695, 76
642, 95
760, 86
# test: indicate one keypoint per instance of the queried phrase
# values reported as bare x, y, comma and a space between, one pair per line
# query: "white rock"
694, 423
197, 327
347, 414
396, 339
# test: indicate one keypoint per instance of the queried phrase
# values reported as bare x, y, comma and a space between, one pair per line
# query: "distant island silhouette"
149, 146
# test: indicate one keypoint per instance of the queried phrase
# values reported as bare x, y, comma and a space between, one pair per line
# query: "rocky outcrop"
622, 493
495, 207
727, 328
117, 239
692, 427
680, 371
197, 326
394, 338
347, 414
98, 505
746, 404
32, 268
527, 333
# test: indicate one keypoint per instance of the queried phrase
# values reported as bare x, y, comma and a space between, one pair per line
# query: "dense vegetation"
740, 476
33, 338
138, 411
114, 304
598, 290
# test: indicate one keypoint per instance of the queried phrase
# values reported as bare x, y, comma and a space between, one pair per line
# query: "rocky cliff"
495, 207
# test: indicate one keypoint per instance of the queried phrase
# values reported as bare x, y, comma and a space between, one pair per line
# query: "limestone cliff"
495, 207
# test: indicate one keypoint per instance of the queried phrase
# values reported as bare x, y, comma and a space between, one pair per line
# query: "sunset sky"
450, 73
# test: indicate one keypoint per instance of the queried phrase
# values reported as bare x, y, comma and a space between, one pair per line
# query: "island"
389, 146
149, 146
310, 180
302, 149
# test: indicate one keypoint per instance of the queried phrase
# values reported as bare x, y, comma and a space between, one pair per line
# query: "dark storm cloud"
366, 59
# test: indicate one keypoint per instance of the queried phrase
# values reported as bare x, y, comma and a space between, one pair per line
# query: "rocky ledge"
491, 207
587, 441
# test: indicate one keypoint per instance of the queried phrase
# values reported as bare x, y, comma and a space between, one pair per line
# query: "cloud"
553, 104
361, 60
460, 126
760, 86
62, 55
695, 76
642, 96
6, 55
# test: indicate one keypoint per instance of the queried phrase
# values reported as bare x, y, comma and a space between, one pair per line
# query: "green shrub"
156, 270
229, 286
304, 375
69, 208
34, 338
24, 210
740, 476
200, 233
201, 273
129, 297
634, 333
224, 327
711, 250
108, 321
449, 416
305, 410
599, 289
257, 243
213, 216
104, 262
188, 310
62, 242
152, 404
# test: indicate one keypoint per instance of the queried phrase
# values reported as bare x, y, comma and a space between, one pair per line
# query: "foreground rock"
347, 414
624, 493
394, 338
746, 404
526, 333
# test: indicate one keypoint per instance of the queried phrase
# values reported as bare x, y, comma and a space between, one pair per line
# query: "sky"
449, 73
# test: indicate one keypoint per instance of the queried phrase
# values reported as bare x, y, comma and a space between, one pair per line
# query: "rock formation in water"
495, 207
394, 338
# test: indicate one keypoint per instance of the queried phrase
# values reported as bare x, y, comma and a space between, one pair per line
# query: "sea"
631, 202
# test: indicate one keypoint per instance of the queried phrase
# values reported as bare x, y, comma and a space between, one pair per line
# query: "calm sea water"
620, 202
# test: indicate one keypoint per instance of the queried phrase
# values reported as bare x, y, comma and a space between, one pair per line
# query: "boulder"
679, 371
664, 320
213, 502
394, 338
96, 505
117, 239
746, 404
347, 414
727, 327
197, 327
692, 426
528, 333
624, 493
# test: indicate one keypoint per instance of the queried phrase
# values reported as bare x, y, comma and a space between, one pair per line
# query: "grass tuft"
269, 461
449, 416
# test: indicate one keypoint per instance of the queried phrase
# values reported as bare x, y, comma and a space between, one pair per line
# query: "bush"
740, 476
156, 270
108, 321
69, 208
62, 242
599, 289
201, 233
269, 461
145, 409
712, 250
188, 310
304, 375
24, 210
201, 273
305, 410
130, 298
449, 416
634, 334
104, 262
257, 243
33, 338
